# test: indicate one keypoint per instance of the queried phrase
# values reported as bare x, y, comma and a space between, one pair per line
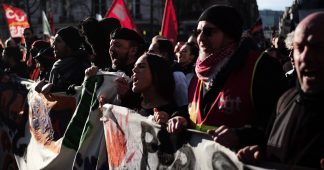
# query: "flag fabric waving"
119, 10
46, 26
169, 23
16, 19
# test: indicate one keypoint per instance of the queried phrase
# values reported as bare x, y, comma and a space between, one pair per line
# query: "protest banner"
135, 142
13, 92
63, 129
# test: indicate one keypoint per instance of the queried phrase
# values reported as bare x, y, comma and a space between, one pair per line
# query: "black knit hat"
226, 18
71, 37
127, 34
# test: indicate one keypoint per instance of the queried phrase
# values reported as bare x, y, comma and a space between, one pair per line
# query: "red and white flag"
169, 28
119, 11
16, 19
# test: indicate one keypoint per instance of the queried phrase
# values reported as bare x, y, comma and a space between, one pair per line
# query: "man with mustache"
126, 46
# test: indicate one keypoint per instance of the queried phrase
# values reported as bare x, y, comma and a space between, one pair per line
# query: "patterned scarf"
206, 68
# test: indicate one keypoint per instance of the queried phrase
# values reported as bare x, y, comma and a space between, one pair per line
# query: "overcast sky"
274, 4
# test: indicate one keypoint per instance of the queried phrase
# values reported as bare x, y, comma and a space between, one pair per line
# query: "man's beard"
122, 62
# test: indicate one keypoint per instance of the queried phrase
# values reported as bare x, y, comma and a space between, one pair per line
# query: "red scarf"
205, 68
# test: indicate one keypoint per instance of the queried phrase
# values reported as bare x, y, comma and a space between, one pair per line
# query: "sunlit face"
119, 53
209, 38
61, 50
309, 56
142, 76
185, 57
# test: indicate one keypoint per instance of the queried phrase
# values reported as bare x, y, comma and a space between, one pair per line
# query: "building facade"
270, 21
296, 12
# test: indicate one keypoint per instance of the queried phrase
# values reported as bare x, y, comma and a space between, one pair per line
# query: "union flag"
16, 20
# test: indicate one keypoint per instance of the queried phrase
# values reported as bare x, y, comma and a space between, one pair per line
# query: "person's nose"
134, 69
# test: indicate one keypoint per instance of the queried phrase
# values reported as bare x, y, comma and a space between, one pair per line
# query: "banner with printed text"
16, 19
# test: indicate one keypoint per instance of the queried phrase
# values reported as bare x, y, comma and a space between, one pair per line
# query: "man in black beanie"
126, 46
236, 88
72, 60
72, 41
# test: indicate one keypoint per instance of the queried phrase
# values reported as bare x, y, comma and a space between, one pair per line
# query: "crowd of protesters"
265, 104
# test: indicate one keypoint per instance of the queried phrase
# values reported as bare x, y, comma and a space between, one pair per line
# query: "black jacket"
68, 71
297, 135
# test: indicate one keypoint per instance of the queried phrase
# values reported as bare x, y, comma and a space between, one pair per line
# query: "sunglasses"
207, 31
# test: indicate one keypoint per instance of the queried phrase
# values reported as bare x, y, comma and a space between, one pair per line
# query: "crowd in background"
265, 104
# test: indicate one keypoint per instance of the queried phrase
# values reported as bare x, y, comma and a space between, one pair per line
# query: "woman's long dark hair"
162, 75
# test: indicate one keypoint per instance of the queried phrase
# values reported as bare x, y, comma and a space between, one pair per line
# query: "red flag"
118, 10
169, 23
16, 19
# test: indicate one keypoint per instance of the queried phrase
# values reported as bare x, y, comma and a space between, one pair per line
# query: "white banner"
135, 142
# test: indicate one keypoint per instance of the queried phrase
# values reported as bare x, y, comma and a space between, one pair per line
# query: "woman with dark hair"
163, 47
153, 79
186, 58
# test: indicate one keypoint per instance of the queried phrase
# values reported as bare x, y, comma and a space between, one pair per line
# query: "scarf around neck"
205, 68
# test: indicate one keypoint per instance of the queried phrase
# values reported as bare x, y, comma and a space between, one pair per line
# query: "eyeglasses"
207, 31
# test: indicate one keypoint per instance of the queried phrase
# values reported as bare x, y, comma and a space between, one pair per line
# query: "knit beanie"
225, 18
127, 34
71, 37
